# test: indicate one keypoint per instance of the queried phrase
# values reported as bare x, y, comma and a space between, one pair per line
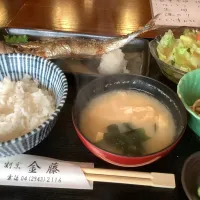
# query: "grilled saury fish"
73, 47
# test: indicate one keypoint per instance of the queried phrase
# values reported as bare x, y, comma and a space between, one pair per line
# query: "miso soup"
128, 123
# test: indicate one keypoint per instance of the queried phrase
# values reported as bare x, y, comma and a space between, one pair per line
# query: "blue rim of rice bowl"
58, 108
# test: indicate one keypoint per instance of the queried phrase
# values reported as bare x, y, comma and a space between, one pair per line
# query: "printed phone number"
38, 179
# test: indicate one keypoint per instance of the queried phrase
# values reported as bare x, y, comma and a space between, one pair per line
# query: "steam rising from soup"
129, 123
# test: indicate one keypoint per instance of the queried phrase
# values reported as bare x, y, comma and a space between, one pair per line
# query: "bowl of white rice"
33, 91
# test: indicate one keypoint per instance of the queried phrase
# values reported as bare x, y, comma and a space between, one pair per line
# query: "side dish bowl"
172, 73
15, 66
130, 82
188, 90
190, 176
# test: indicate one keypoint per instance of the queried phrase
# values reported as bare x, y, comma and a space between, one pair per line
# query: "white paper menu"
36, 171
177, 12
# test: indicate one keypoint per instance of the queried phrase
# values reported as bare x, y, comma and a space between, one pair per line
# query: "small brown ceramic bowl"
190, 176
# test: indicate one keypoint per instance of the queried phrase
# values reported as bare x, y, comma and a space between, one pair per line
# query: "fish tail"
147, 27
151, 24
123, 40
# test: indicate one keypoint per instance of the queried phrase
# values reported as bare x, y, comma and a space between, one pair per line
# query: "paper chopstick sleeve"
35, 171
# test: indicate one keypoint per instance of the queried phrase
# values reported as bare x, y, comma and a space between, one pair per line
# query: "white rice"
23, 107
113, 63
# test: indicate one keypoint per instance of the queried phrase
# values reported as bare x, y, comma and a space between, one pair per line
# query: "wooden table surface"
100, 17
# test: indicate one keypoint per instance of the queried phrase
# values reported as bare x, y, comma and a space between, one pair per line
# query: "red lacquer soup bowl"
130, 82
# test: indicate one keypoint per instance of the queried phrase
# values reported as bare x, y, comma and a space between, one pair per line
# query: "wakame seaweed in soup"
129, 142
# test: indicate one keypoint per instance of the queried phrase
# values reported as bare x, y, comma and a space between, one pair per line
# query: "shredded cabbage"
183, 52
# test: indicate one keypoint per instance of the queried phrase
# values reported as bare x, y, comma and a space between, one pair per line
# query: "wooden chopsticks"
130, 177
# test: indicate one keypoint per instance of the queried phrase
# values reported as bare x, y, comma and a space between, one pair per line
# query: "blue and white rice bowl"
51, 77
